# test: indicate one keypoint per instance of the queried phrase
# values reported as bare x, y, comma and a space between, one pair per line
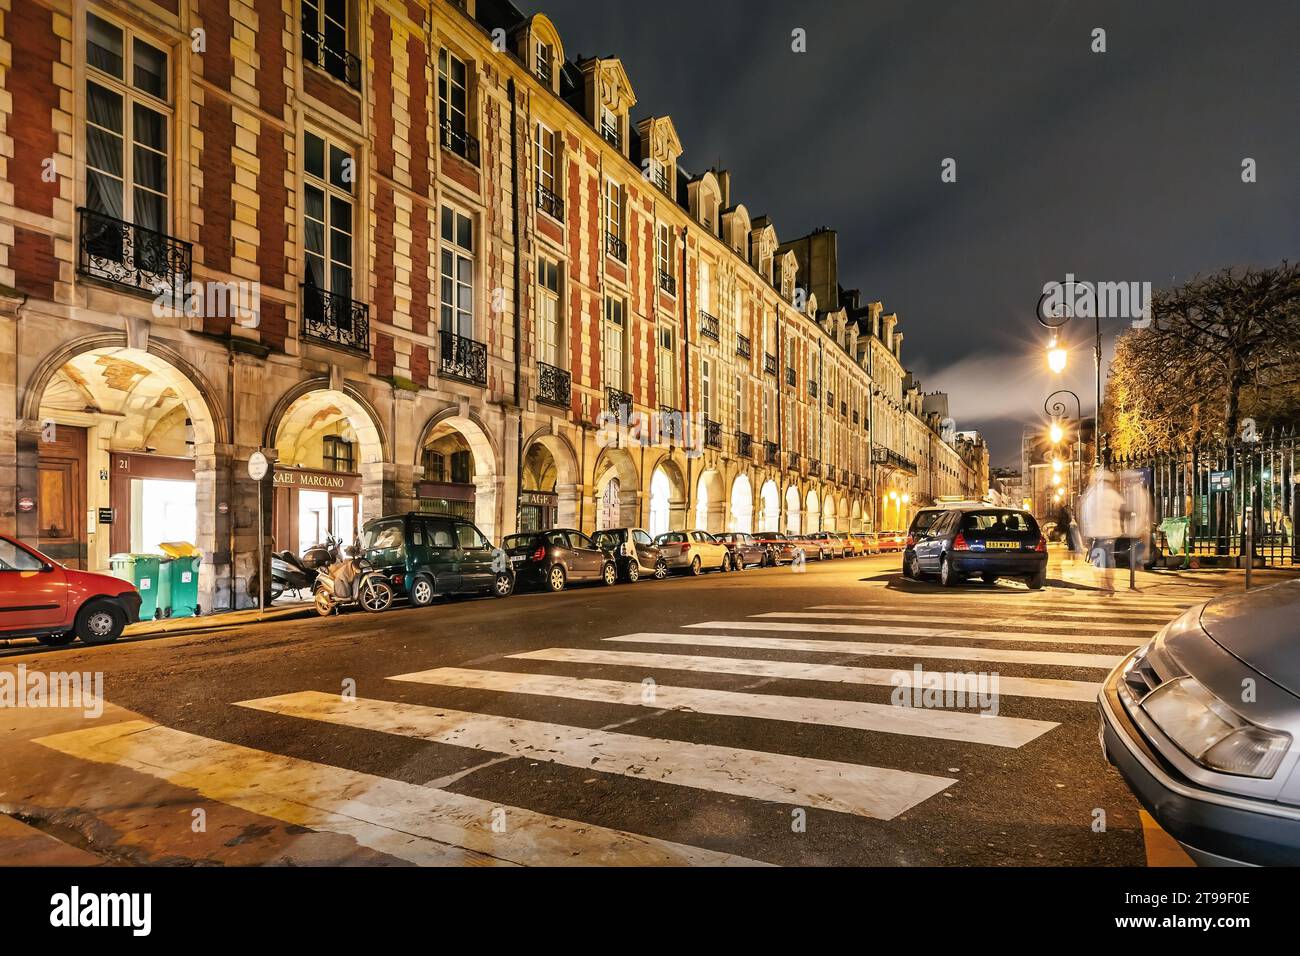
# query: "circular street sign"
26, 504
258, 466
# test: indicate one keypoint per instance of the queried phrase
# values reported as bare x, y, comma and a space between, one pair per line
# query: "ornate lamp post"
1056, 408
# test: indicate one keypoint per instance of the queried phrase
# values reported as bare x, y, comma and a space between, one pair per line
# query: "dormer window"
543, 58
658, 174
609, 128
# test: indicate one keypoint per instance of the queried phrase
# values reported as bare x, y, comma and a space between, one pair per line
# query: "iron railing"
789, 376
549, 203
712, 433
617, 401
335, 319
814, 468
794, 461
668, 282
616, 247
339, 64
132, 256
672, 424
554, 385
709, 325
830, 399
463, 359
1215, 485
743, 348
892, 459
460, 142
744, 445
813, 387
771, 453
769, 363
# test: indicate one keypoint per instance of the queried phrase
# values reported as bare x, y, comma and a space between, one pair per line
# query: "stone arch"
812, 511
855, 516
830, 514
667, 497
127, 402
451, 432
740, 510
793, 509
770, 496
567, 477
710, 501
622, 510
842, 524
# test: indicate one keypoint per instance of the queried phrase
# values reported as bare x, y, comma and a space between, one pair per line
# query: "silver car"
1202, 723
694, 551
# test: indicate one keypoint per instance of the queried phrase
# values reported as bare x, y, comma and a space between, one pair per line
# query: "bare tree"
1226, 343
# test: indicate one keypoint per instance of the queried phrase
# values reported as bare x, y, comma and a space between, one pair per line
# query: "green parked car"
423, 556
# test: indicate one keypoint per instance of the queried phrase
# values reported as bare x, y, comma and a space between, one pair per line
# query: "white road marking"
939, 619
882, 718
1043, 687
908, 631
877, 792
867, 648
414, 823
922, 630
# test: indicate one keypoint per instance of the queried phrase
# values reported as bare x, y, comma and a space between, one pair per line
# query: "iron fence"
1215, 485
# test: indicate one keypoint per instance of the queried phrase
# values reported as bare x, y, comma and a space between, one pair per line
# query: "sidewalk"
1224, 580
213, 622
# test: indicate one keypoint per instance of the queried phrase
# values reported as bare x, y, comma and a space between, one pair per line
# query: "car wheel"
100, 623
277, 590
376, 596
503, 585
609, 574
726, 563
633, 571
324, 605
912, 567
947, 576
555, 579
422, 592
1037, 579
695, 566
59, 639
661, 569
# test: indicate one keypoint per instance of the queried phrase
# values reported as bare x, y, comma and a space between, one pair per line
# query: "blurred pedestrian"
1101, 518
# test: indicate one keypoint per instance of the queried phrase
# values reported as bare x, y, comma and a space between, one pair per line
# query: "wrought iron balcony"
844, 409
339, 64
463, 359
709, 325
742, 346
789, 376
744, 445
813, 387
830, 399
770, 453
814, 468
335, 319
855, 416
460, 142
672, 424
616, 247
617, 401
892, 459
844, 476
554, 385
132, 256
794, 461
549, 203
712, 433
769, 363
668, 282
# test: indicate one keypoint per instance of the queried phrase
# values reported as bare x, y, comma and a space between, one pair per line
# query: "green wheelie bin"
142, 570
179, 589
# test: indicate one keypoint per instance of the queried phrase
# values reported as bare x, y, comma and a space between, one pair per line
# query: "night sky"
1120, 166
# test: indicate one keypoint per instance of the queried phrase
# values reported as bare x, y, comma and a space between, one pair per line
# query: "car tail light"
540, 553
910, 543
399, 579
1042, 544
686, 547
959, 543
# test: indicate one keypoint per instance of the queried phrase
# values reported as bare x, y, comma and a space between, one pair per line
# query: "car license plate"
517, 558
1005, 545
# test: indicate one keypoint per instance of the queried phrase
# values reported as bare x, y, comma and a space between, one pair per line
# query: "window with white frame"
543, 58
128, 121
740, 403
706, 286
548, 312
328, 183
768, 420
325, 35
609, 127
666, 367
613, 209
664, 249
453, 93
706, 387
457, 268
615, 339
547, 142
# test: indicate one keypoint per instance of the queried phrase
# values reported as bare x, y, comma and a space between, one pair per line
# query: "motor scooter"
351, 582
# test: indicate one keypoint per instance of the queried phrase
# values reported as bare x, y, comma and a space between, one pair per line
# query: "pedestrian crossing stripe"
1008, 613
866, 648
1039, 687
937, 618
417, 824
919, 631
858, 789
881, 718
889, 625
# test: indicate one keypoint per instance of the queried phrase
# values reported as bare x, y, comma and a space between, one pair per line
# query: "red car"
41, 598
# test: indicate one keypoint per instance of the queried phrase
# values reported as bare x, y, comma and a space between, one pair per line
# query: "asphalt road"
626, 734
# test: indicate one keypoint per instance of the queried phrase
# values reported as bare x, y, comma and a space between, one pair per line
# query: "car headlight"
1211, 733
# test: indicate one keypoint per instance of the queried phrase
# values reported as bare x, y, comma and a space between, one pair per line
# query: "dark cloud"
1116, 166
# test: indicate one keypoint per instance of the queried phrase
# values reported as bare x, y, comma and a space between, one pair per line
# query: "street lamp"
1053, 359
1056, 356
1056, 433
